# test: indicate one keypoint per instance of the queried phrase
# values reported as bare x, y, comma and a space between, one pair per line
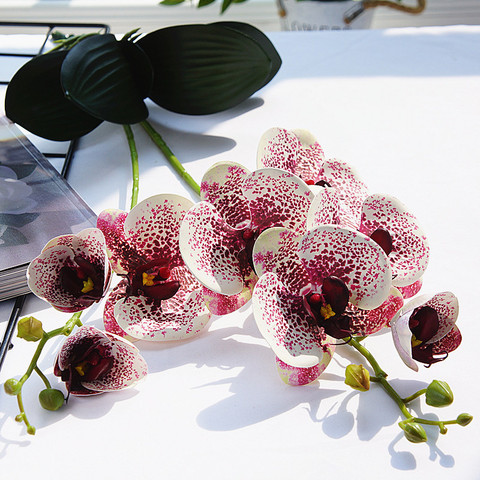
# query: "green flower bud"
31, 430
30, 329
438, 394
51, 399
12, 387
414, 432
464, 419
357, 377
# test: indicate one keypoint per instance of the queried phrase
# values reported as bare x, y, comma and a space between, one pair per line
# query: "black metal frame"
68, 156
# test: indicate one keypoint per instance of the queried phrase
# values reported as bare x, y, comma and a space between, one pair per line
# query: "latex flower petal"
389, 222
92, 362
295, 151
425, 330
158, 299
72, 272
282, 320
217, 235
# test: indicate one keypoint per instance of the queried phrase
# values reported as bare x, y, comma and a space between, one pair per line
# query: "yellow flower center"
80, 368
415, 342
87, 285
148, 279
326, 311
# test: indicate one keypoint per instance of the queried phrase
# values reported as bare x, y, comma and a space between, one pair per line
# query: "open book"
36, 204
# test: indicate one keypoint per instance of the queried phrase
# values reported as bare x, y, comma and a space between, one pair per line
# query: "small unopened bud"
31, 430
464, 419
414, 432
30, 329
438, 394
51, 399
357, 377
12, 387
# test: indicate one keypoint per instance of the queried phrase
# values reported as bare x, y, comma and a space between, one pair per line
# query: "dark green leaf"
96, 75
35, 100
201, 69
204, 3
172, 2
225, 5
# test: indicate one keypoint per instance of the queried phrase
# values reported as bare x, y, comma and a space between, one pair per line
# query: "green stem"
172, 159
43, 377
134, 157
414, 396
65, 330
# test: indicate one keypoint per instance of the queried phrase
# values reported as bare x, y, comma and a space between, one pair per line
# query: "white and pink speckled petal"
325, 208
402, 339
142, 319
310, 157
211, 248
409, 291
354, 258
351, 187
278, 148
222, 187
448, 343
367, 322
409, 256
219, 304
153, 227
277, 198
111, 325
128, 367
275, 250
446, 306
299, 376
282, 321
122, 256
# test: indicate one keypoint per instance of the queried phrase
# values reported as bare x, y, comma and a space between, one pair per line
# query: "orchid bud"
51, 399
464, 419
414, 432
357, 377
12, 387
30, 329
438, 394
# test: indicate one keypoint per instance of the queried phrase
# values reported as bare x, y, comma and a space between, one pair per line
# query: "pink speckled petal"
298, 376
409, 257
352, 189
123, 256
282, 320
352, 257
366, 322
211, 249
448, 343
222, 187
153, 227
181, 316
219, 304
295, 151
411, 290
276, 251
277, 198
111, 325
325, 208
402, 339
128, 367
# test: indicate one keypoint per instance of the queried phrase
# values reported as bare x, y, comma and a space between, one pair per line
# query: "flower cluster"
324, 262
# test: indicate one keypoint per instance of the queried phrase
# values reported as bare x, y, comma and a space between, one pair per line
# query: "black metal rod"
12, 323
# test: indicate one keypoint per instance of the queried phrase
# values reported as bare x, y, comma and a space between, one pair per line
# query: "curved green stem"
172, 159
65, 330
135, 170
381, 378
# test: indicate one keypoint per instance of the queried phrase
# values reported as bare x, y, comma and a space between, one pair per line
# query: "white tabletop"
402, 106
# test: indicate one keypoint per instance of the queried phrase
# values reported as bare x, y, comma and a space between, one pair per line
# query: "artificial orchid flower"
387, 221
158, 298
72, 272
424, 330
307, 288
298, 152
92, 362
217, 234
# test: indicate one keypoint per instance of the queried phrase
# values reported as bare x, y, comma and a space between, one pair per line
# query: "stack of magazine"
36, 204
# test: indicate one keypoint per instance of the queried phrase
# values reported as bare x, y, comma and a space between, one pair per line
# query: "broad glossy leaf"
201, 69
35, 100
98, 77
